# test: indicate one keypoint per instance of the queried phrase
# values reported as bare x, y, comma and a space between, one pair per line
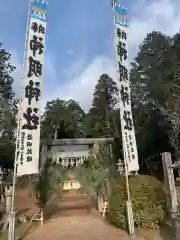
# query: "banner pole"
128, 202
129, 206
11, 217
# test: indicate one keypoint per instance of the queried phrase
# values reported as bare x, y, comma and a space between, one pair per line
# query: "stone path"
77, 228
71, 220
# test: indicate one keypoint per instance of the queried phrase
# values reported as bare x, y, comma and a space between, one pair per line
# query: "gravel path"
77, 228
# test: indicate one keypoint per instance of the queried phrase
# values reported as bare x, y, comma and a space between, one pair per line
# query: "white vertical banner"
29, 125
127, 126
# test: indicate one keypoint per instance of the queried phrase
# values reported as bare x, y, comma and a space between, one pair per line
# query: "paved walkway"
77, 228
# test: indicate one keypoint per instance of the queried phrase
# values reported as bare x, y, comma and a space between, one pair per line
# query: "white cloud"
82, 86
161, 15
146, 16
75, 68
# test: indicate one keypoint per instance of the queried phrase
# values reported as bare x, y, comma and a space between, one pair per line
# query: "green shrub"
148, 202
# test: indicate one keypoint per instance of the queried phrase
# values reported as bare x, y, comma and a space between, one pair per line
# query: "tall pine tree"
150, 85
100, 119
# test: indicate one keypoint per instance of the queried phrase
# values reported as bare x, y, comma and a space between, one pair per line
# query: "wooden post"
42, 217
170, 187
105, 207
171, 192
38, 216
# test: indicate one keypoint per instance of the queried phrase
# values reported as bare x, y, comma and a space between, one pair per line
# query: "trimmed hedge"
148, 201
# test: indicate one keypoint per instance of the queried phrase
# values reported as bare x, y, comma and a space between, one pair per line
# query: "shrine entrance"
71, 162
70, 153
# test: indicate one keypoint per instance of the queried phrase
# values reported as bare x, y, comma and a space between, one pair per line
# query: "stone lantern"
120, 166
8, 181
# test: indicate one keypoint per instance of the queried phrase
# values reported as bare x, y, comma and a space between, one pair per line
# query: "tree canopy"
154, 80
154, 83
100, 120
7, 109
62, 119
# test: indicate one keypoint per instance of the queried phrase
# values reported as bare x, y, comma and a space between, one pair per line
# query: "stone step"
77, 198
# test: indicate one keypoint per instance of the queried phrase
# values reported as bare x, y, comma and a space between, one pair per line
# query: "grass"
20, 231
164, 233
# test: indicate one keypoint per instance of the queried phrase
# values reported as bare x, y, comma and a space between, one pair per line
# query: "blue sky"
80, 40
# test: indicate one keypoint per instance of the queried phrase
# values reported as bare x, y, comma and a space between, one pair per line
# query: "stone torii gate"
70, 151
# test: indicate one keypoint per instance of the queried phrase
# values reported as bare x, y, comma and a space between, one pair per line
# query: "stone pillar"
171, 192
8, 197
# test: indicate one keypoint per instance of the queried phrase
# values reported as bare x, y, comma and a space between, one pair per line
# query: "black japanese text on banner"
128, 134
29, 127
